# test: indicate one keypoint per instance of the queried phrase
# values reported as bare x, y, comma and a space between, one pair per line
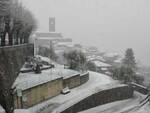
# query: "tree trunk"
10, 38
17, 38
3, 42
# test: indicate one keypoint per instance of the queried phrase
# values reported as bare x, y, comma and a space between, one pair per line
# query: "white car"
65, 90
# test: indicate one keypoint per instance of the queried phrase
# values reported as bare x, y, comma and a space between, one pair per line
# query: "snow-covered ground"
61, 102
111, 54
30, 79
46, 59
125, 106
101, 64
145, 109
1, 109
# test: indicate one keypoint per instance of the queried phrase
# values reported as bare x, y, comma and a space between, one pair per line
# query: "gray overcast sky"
111, 25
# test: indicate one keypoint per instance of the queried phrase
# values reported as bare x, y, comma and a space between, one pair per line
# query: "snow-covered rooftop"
66, 73
119, 60
104, 69
101, 64
48, 35
67, 44
46, 59
27, 80
95, 57
111, 54
30, 69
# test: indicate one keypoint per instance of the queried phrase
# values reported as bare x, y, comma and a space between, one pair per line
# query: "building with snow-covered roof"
49, 35
95, 57
64, 46
43, 39
31, 88
111, 57
101, 66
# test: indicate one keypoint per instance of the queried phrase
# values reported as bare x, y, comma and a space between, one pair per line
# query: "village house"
31, 88
102, 67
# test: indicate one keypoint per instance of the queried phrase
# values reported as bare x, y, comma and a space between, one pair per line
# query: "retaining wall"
72, 82
84, 78
102, 97
12, 59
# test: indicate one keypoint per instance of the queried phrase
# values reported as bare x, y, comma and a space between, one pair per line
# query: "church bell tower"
52, 24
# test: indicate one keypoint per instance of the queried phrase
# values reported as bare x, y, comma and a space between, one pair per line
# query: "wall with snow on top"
102, 97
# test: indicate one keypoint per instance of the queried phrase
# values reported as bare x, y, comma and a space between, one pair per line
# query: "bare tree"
16, 21
76, 60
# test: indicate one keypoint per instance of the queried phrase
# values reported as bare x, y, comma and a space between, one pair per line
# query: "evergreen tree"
16, 21
127, 72
129, 60
128, 69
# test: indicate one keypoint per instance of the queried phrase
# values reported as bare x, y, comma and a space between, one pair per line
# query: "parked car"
66, 90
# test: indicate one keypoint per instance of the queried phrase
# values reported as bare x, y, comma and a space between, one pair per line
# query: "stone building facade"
32, 89
38, 93
72, 82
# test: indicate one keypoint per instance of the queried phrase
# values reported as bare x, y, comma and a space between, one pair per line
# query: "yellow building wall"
39, 93
72, 81
46, 91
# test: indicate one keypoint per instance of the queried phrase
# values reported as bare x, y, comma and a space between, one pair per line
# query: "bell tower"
52, 24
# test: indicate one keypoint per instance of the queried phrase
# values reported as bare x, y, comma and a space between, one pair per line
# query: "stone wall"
84, 78
102, 97
139, 88
11, 60
72, 82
